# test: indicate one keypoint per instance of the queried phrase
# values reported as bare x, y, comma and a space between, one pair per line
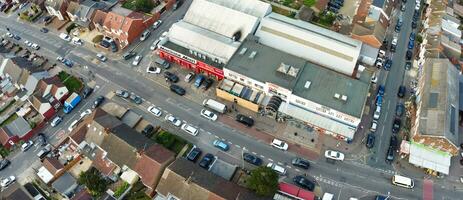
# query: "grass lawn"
170, 141
72, 83
9, 120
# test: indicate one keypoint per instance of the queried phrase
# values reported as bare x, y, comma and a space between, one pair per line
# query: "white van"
403, 181
277, 168
190, 129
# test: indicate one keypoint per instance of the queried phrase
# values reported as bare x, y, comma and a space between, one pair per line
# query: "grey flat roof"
185, 51
223, 169
131, 118
324, 82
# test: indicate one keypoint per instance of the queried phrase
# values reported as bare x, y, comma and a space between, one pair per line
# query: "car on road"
147, 130
41, 139
207, 160
208, 115
396, 125
173, 120
85, 113
16, 37
399, 110
153, 70
128, 55
255, 160
412, 36
381, 90
35, 46
177, 89
194, 154
163, 35
56, 121
27, 145
388, 64
408, 55
73, 125
248, 121
393, 142
370, 140
155, 44
27, 43
374, 78
101, 57
44, 30
279, 144
221, 145
135, 98
207, 83
170, 77
334, 155
10, 35
145, 35
377, 113
408, 65
394, 44
157, 24
4, 163
7, 181
122, 93
390, 154
277, 168
304, 183
379, 100
77, 41
68, 62
65, 37
190, 129
402, 91
189, 77
300, 162
87, 92
137, 60
155, 111
411, 44
98, 101
379, 62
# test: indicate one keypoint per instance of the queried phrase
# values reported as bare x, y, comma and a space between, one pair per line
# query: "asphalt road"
344, 179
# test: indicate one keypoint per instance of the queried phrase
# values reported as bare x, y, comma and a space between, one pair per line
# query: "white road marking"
238, 146
209, 133
270, 160
216, 136
297, 170
254, 153
262, 156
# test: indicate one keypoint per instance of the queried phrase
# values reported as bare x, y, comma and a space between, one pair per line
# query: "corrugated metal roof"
427, 158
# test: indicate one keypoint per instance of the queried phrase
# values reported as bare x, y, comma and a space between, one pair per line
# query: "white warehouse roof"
255, 8
318, 45
211, 44
220, 19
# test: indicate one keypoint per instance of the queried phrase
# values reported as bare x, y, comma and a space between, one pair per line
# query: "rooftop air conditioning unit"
344, 97
337, 96
252, 55
307, 84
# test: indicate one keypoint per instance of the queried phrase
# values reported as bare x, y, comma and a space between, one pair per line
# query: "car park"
87, 91
207, 83
65, 37
153, 70
41, 139
334, 155
137, 60
408, 55
207, 160
27, 145
173, 120
122, 93
145, 35
374, 125
101, 57
388, 64
377, 113
277, 168
177, 89
56, 121
4, 163
402, 91
396, 125
194, 154
155, 111
399, 110
279, 144
221, 145
98, 101
248, 121
147, 130
370, 140
190, 129
189, 77
301, 163
199, 80
208, 115
170, 77
135, 98
128, 55
7, 181
255, 160
304, 183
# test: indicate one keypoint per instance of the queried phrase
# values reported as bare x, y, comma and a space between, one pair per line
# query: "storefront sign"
179, 55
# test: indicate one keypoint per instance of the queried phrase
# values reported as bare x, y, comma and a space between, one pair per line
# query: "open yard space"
72, 83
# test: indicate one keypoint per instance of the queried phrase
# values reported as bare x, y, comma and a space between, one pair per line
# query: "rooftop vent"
307, 84
344, 97
293, 71
252, 55
243, 51
283, 68
337, 96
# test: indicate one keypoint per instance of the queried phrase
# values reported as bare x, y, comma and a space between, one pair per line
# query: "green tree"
309, 3
419, 38
144, 5
263, 180
94, 182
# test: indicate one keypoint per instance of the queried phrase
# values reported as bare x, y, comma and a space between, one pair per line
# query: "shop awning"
425, 157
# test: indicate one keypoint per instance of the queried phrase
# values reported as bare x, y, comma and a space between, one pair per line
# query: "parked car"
390, 155
157, 24
44, 152
412, 36
377, 113
304, 183
41, 139
98, 101
87, 91
27, 145
411, 44
255, 160
16, 37
399, 110
85, 113
153, 70
374, 126
170, 77
73, 125
177, 89
27, 43
190, 129
279, 144
335, 155
77, 41
189, 77
301, 163
145, 35
35, 46
137, 60
370, 140
7, 181
101, 57
155, 111
388, 64
56, 121
129, 55
414, 24
4, 163
277, 168
147, 130
393, 142
221, 145
207, 160
135, 98
408, 65
154, 45
381, 90
194, 154
208, 115
248, 121
207, 83
105, 44
402, 91
374, 78
396, 125
122, 93
173, 120
44, 30
408, 55
199, 80
65, 37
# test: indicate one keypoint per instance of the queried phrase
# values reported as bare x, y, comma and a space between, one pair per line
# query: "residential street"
344, 179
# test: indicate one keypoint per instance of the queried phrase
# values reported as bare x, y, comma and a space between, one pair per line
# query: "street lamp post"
242, 156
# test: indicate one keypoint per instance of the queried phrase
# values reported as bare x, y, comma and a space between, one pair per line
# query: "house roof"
73, 7
105, 166
65, 184
5, 134
78, 134
99, 17
55, 4
148, 166
19, 127
52, 165
82, 195
54, 80
14, 192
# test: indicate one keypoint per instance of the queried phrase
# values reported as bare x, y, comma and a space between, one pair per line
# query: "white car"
277, 168
73, 125
279, 144
334, 155
176, 122
417, 7
155, 44
153, 70
65, 37
35, 46
157, 24
155, 111
377, 113
208, 115
27, 43
190, 129
101, 57
379, 63
381, 53
374, 78
10, 35
164, 35
59, 58
27, 145
137, 60
374, 125
85, 113
7, 181
56, 121
77, 41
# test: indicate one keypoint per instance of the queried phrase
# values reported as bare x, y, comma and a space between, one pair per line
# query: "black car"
414, 24
244, 120
252, 159
170, 77
399, 110
402, 91
4, 163
105, 44
129, 55
98, 101
16, 37
44, 30
113, 47
301, 163
87, 91
408, 65
370, 140
207, 83
135, 98
409, 55
304, 183
206, 161
194, 154
177, 90
393, 142
396, 125
390, 154
41, 139
147, 130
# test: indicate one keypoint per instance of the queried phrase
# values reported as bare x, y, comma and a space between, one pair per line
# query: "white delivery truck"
215, 105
